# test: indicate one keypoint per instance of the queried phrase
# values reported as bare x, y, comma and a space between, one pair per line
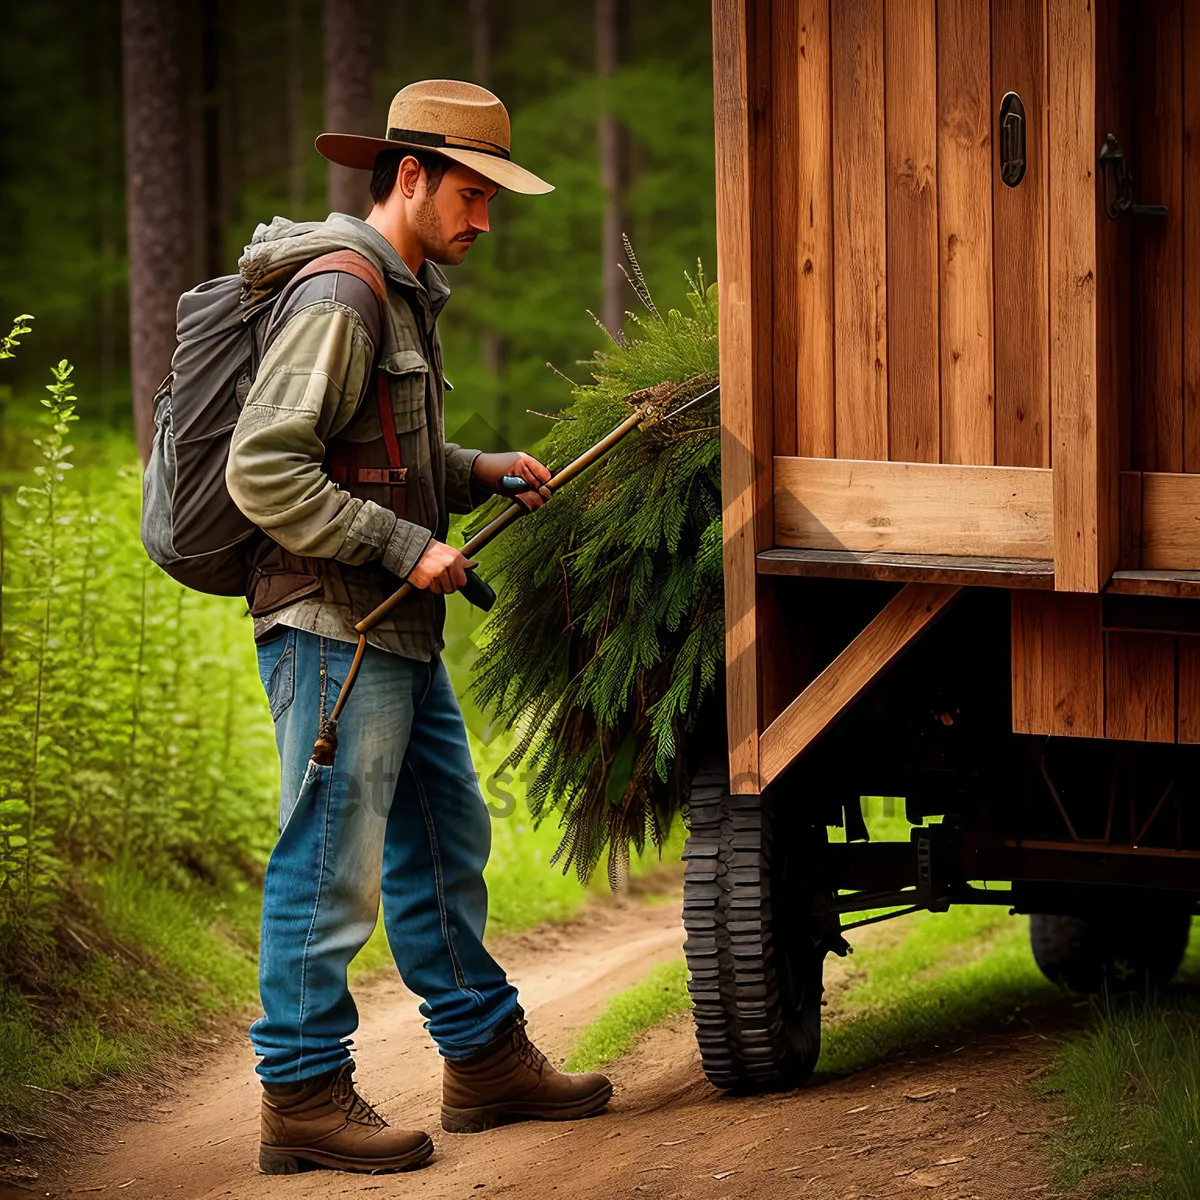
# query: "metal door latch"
1012, 139
1118, 184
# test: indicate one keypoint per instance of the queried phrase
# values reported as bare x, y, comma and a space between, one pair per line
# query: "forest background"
140, 144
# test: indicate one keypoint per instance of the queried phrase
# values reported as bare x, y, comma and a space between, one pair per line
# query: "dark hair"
387, 167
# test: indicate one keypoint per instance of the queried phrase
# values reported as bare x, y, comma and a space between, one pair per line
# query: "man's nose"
479, 217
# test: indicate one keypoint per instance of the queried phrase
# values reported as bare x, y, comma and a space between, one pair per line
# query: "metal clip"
1118, 184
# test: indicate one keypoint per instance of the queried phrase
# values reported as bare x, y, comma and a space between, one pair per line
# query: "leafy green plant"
12, 339
42, 552
609, 632
125, 697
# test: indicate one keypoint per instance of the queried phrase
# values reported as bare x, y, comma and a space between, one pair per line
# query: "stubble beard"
437, 248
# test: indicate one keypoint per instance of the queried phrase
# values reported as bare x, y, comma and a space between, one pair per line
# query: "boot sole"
489, 1116
292, 1160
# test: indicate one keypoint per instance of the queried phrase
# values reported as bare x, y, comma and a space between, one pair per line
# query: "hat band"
419, 137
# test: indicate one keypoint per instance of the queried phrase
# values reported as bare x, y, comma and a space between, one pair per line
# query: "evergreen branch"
605, 654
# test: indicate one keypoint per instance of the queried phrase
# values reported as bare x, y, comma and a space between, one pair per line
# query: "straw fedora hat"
462, 121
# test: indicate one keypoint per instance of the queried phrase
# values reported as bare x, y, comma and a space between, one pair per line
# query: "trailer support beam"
909, 612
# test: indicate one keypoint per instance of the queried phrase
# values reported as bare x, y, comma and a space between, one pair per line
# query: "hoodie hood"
278, 250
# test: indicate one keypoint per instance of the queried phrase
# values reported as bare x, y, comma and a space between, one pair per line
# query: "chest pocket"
407, 374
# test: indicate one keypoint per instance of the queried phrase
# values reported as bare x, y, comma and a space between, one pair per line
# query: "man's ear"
407, 176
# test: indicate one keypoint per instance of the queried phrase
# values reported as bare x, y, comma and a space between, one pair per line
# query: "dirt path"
954, 1126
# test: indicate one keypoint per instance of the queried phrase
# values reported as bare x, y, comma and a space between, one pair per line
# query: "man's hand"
441, 568
489, 468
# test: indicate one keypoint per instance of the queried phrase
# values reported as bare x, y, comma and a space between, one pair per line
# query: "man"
339, 457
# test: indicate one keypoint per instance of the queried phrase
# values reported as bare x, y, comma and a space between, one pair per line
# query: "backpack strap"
352, 263
342, 465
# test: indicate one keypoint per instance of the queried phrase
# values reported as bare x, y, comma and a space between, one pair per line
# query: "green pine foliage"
126, 708
604, 648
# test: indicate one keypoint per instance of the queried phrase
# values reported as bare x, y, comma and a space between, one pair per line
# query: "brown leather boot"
510, 1079
324, 1122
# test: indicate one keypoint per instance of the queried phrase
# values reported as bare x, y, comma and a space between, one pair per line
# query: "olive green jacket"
307, 393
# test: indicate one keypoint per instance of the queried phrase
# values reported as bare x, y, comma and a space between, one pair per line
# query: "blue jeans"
398, 815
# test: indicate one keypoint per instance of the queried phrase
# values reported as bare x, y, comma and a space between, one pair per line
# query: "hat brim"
359, 153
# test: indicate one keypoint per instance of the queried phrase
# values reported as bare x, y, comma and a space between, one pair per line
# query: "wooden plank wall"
1114, 292
1075, 676
1155, 39
1058, 665
787, 268
1150, 360
1083, 421
884, 154
914, 508
1188, 700
965, 223
1072, 677
744, 457
812, 395
1191, 237
910, 94
1163, 148
860, 327
1020, 230
1139, 687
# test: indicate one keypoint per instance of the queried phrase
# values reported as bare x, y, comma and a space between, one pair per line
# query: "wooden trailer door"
923, 336
938, 302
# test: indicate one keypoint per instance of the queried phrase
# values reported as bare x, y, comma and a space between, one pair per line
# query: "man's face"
449, 221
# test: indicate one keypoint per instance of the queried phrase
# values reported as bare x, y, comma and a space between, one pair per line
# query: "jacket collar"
278, 249
430, 282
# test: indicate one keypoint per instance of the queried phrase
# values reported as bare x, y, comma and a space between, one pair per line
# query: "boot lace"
346, 1097
527, 1052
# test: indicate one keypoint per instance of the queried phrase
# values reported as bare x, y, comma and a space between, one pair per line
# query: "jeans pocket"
277, 667
315, 777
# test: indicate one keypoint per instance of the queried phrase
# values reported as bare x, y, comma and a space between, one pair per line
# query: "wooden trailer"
959, 268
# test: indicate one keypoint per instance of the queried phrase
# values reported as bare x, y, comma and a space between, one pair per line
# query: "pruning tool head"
653, 410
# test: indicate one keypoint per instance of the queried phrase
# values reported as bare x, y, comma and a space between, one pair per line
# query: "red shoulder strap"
387, 421
352, 263
342, 468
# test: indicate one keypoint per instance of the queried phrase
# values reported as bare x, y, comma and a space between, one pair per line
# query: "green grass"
630, 1014
143, 964
1131, 1084
949, 970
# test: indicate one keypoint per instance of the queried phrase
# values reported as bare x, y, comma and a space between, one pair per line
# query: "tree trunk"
349, 105
297, 150
108, 215
611, 22
156, 193
213, 196
493, 349
481, 42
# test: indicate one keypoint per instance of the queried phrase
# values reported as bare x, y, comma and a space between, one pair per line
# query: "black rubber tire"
755, 965
1123, 950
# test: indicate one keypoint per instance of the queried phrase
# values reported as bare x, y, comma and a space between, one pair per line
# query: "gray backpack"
191, 526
